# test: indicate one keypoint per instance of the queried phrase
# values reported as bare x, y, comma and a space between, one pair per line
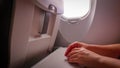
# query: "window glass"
76, 8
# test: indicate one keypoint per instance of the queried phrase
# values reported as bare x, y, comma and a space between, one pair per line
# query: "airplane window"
76, 8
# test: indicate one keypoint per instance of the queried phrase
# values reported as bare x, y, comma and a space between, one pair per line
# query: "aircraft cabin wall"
75, 28
105, 28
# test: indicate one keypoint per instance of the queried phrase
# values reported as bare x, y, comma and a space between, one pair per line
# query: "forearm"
112, 50
115, 47
109, 62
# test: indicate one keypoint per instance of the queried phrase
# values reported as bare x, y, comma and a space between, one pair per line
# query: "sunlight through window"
76, 8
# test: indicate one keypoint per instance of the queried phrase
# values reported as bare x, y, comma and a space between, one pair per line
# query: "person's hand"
83, 56
74, 45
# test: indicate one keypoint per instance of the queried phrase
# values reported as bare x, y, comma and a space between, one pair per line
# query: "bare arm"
111, 50
91, 59
109, 62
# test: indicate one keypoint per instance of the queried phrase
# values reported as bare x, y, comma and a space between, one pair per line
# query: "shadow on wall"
62, 43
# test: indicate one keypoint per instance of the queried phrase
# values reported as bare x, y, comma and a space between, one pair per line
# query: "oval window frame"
81, 18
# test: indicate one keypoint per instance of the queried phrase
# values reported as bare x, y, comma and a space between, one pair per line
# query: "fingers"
82, 56
71, 46
73, 51
73, 60
75, 55
78, 50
